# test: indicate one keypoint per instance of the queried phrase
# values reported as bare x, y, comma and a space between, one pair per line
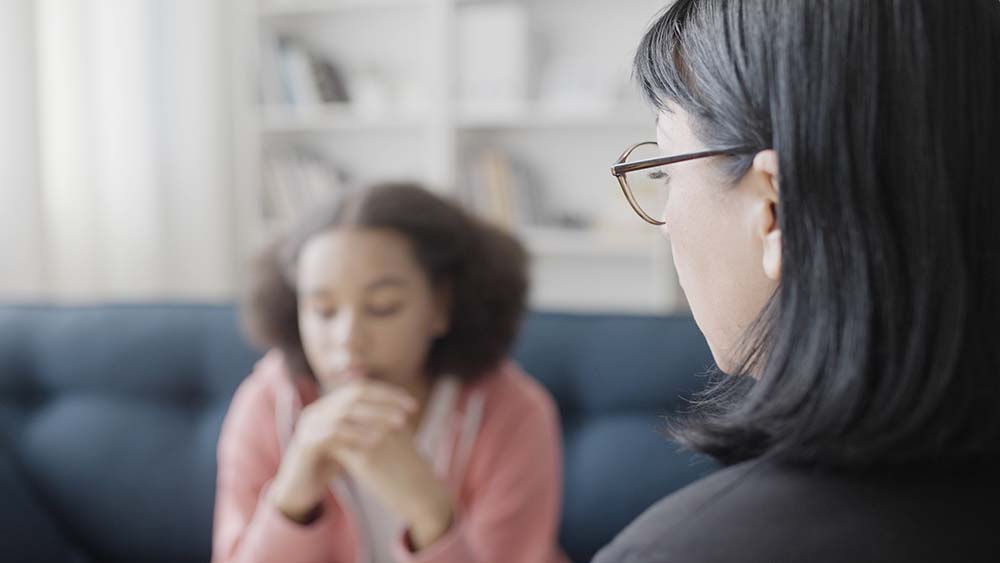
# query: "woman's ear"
765, 169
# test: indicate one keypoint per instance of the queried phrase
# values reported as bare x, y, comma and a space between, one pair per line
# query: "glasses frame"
620, 168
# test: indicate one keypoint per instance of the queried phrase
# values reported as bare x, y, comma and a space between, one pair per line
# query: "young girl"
385, 423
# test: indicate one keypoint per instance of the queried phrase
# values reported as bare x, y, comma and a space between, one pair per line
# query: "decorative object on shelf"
493, 55
570, 85
371, 90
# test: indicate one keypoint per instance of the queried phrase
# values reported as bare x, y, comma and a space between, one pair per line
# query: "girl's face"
724, 237
366, 308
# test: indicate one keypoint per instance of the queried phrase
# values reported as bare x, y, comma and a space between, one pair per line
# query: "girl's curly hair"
483, 267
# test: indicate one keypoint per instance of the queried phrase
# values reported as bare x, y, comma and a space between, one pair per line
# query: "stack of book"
292, 74
296, 179
502, 190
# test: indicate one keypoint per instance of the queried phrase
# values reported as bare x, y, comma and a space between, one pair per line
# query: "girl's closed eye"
384, 309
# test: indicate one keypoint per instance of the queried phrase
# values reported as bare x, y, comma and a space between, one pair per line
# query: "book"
330, 82
501, 189
300, 85
296, 179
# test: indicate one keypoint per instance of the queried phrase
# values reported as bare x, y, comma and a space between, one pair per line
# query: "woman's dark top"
761, 511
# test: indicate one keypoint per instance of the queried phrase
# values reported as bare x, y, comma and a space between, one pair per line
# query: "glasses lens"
649, 186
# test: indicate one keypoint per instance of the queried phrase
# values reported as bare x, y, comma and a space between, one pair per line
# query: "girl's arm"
514, 510
248, 526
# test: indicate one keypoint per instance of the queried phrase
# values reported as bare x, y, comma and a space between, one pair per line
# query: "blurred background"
149, 146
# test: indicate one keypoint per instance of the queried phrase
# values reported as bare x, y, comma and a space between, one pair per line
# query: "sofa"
109, 417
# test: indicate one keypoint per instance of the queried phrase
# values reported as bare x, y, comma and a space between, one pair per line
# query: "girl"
385, 423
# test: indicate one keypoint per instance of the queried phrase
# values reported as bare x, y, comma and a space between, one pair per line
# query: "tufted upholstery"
614, 377
109, 417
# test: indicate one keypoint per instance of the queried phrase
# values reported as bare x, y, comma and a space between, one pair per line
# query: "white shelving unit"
287, 8
424, 131
332, 118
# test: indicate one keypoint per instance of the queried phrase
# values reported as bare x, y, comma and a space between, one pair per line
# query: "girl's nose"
348, 330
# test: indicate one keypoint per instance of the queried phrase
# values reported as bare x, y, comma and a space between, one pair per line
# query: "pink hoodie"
503, 455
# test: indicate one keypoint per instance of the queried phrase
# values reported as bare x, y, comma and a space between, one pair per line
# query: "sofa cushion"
120, 409
110, 417
27, 530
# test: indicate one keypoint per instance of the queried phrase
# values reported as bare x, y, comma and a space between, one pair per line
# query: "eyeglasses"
646, 198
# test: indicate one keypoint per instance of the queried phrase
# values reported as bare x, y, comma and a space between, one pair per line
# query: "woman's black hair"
483, 269
879, 345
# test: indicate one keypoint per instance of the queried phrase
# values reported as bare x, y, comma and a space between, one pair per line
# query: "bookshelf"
541, 118
291, 8
332, 117
537, 132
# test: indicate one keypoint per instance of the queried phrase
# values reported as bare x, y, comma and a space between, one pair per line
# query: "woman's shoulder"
688, 524
765, 511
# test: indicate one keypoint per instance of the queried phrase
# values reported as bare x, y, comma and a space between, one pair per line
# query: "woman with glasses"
834, 215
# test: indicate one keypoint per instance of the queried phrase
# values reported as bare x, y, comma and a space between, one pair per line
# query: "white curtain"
20, 213
121, 173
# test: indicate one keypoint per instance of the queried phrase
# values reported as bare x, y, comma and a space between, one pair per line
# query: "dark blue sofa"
109, 417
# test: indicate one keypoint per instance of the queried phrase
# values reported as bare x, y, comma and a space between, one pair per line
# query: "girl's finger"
377, 414
383, 393
350, 432
354, 436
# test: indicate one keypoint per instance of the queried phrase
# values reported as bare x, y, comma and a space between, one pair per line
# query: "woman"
385, 423
833, 214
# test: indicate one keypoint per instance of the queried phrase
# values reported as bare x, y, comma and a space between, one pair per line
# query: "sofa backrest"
113, 414
615, 378
109, 417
